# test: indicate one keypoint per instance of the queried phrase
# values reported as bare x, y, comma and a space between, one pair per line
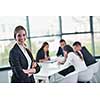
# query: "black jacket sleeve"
32, 58
16, 66
37, 68
40, 55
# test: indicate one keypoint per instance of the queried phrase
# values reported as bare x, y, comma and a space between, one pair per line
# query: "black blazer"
41, 55
60, 52
18, 62
88, 58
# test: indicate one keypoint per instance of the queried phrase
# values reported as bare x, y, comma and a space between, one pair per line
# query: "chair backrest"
88, 58
95, 67
9, 76
86, 75
70, 78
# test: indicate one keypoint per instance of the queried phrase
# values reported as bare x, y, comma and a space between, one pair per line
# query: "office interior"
85, 29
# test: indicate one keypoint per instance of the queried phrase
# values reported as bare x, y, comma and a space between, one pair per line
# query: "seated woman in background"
43, 53
73, 58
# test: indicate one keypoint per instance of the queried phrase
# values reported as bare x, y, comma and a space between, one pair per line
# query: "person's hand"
46, 59
61, 62
31, 71
25, 71
34, 64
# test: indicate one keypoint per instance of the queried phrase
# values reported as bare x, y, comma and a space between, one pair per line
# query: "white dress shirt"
26, 55
74, 60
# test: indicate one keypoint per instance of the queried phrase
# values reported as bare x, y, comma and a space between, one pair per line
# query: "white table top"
48, 69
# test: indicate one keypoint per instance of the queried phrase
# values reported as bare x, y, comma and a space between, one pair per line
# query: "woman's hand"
34, 64
25, 71
29, 71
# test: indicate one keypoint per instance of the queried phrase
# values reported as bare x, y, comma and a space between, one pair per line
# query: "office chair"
9, 76
85, 76
70, 78
95, 67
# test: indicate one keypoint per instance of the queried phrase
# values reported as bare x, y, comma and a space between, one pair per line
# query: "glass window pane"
75, 24
97, 44
96, 23
44, 25
53, 44
5, 47
8, 23
85, 39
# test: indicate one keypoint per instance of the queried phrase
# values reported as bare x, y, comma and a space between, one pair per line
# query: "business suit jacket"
60, 52
88, 58
19, 62
41, 55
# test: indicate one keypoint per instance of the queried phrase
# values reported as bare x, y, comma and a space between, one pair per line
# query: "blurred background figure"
60, 50
43, 53
88, 58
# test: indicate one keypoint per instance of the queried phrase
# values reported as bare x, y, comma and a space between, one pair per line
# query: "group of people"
24, 65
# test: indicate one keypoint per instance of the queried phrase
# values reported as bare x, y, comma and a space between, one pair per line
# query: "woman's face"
46, 48
21, 37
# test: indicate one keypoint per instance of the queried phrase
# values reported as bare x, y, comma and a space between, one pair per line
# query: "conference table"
50, 69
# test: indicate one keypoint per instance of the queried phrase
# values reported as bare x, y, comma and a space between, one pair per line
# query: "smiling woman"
21, 60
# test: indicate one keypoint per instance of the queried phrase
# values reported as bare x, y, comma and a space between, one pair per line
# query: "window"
72, 24
5, 47
97, 44
7, 25
96, 23
44, 25
96, 26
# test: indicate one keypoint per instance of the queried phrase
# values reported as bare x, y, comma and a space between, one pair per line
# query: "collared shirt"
74, 60
26, 55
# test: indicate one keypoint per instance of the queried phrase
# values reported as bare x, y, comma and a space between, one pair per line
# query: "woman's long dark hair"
69, 49
43, 45
79, 55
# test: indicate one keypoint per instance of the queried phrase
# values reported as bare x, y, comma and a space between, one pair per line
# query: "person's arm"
45, 59
38, 56
58, 53
16, 66
69, 59
35, 67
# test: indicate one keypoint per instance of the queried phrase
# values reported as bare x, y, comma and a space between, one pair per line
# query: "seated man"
88, 58
60, 50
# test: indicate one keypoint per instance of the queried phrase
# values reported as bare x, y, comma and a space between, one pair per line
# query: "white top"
74, 60
26, 55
